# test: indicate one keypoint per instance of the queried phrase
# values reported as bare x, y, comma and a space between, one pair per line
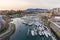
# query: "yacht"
40, 33
35, 32
45, 32
40, 29
32, 33
30, 23
49, 34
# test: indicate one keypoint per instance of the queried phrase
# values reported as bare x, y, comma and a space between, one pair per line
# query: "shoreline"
8, 33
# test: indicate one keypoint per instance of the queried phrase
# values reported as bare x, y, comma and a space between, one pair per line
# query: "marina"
32, 31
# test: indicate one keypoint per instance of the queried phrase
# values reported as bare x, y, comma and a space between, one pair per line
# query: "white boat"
40, 28
40, 33
35, 32
28, 31
37, 23
49, 34
32, 33
30, 23
45, 32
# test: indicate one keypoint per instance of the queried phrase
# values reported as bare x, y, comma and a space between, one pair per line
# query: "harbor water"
21, 32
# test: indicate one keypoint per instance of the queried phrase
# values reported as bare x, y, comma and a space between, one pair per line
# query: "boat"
49, 34
35, 32
30, 23
45, 32
40, 33
40, 29
37, 23
32, 33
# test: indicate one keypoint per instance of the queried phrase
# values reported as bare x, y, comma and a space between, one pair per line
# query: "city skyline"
24, 4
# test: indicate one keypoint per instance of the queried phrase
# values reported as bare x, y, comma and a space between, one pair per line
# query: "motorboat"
30, 23
40, 29
45, 32
40, 33
37, 23
49, 34
32, 33
35, 32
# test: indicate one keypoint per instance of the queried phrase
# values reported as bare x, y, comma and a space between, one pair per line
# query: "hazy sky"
24, 4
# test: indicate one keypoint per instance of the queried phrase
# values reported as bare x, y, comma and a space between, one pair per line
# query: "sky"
24, 4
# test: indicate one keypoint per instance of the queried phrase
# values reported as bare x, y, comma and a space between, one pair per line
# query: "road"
5, 34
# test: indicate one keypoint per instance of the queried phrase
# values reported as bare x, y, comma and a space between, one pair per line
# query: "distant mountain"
34, 10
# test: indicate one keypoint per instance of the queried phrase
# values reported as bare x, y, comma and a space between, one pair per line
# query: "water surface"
21, 32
